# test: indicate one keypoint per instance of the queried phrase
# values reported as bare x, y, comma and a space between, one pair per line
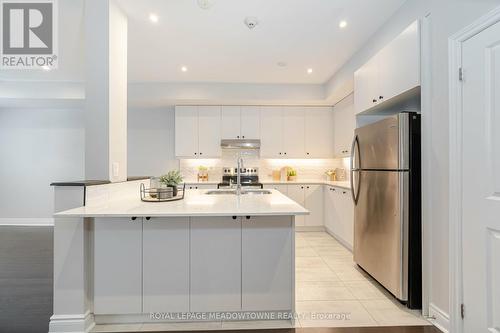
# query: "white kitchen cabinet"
296, 193
117, 266
293, 132
231, 121
399, 63
197, 131
199, 186
344, 124
250, 122
240, 122
165, 265
313, 200
271, 136
215, 283
209, 131
311, 197
278, 187
319, 131
339, 214
267, 263
391, 72
186, 131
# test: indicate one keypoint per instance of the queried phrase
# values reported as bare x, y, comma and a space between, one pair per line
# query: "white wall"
447, 17
151, 141
37, 147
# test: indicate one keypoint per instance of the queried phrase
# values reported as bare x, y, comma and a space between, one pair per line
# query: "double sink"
233, 192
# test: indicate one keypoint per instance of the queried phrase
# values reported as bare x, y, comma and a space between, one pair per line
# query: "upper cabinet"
344, 123
319, 131
197, 131
240, 122
296, 132
391, 72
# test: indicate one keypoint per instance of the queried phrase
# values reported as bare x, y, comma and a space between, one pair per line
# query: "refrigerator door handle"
355, 144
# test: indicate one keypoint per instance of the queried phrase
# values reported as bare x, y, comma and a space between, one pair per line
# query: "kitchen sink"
233, 192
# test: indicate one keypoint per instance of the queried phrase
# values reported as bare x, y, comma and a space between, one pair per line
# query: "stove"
249, 178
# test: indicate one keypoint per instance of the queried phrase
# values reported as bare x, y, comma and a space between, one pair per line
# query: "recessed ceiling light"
309, 71
343, 24
184, 69
153, 18
281, 64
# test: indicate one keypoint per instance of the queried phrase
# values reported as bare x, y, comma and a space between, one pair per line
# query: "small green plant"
171, 178
291, 173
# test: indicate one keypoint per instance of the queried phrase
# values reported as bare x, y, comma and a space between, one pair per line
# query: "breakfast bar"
212, 256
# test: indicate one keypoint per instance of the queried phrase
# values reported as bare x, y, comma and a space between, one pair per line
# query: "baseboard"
339, 239
439, 318
27, 221
316, 228
71, 323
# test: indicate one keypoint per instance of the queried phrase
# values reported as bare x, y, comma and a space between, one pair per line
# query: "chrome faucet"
238, 175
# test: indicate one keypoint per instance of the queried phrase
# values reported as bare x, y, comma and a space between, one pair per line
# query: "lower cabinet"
279, 187
311, 197
215, 264
193, 264
339, 213
165, 265
267, 263
117, 266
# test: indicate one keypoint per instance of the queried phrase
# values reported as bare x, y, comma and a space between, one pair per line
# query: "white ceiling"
216, 46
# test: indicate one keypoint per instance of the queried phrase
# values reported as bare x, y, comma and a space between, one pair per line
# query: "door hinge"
462, 310
461, 74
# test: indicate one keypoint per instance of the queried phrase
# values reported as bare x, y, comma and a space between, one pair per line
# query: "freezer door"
383, 145
381, 228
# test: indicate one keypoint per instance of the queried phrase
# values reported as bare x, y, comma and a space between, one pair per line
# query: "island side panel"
215, 264
166, 265
267, 263
117, 266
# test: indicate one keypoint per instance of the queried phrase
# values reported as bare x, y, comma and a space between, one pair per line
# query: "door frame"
455, 44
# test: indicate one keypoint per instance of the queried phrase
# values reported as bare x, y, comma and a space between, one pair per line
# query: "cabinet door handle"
234, 217
307, 186
285, 153
196, 153
247, 217
280, 153
381, 97
201, 153
307, 153
148, 218
302, 187
237, 136
133, 218
374, 101
243, 136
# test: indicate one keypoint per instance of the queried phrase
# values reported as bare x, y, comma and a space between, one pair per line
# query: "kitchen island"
208, 257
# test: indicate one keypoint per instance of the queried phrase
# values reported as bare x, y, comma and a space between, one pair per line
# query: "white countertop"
195, 203
341, 184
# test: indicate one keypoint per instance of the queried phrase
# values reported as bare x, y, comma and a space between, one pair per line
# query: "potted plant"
172, 179
292, 175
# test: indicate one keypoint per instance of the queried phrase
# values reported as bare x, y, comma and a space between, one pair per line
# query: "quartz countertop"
341, 184
195, 203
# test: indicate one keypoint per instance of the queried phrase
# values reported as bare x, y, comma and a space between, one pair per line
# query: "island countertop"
195, 203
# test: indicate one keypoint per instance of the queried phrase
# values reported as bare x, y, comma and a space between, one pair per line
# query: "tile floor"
329, 282
330, 292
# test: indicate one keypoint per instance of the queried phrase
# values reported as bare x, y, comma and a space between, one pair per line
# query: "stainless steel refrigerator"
386, 189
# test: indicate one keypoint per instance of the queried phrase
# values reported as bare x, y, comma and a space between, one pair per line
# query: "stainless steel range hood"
240, 144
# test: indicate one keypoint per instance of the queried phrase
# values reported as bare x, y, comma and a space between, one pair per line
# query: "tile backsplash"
310, 169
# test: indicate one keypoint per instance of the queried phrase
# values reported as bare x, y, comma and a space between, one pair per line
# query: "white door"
267, 263
314, 203
250, 122
231, 120
293, 132
165, 265
209, 131
186, 131
481, 181
319, 132
297, 194
271, 126
117, 266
